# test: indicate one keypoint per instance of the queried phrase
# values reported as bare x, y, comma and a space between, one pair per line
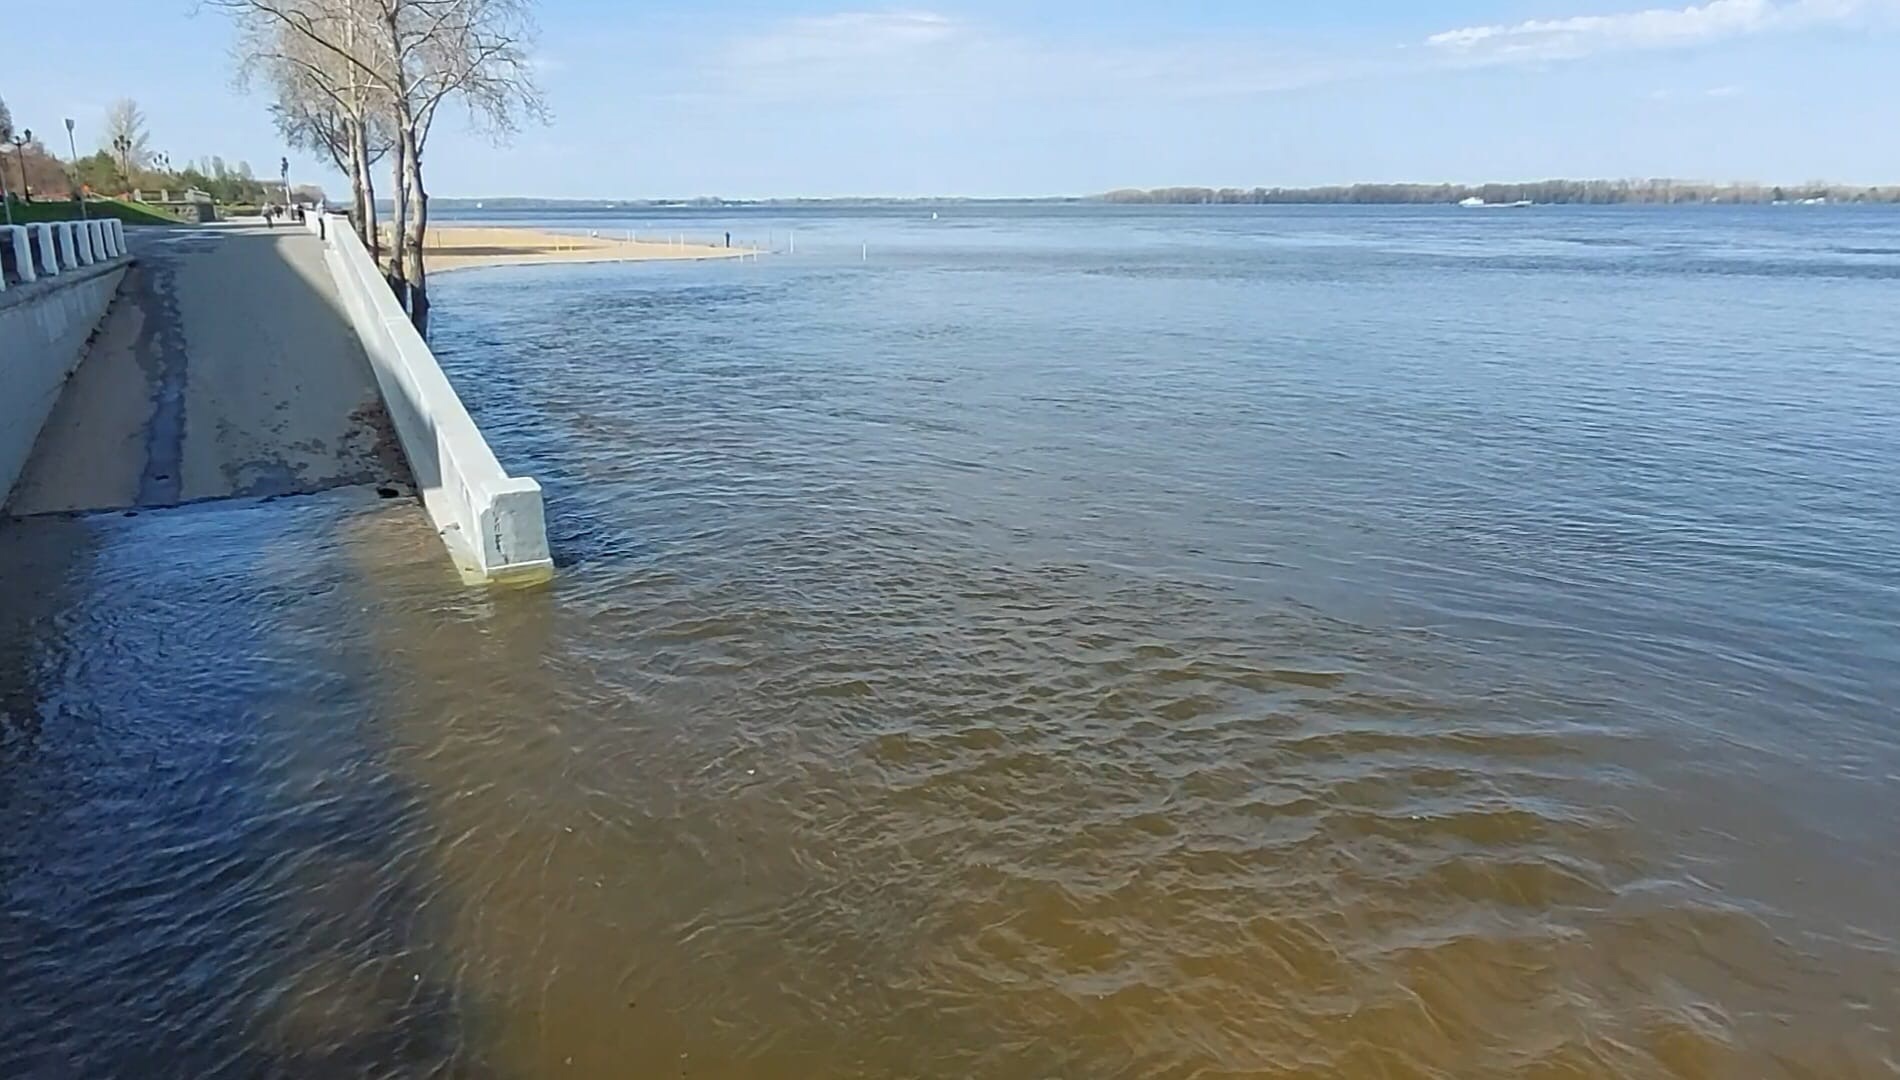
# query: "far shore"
466, 247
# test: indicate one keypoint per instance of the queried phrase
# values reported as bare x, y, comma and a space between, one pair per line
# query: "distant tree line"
1588, 192
125, 163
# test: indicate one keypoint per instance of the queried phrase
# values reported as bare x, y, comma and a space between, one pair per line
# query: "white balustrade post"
82, 244
68, 244
22, 252
96, 232
106, 243
49, 255
118, 234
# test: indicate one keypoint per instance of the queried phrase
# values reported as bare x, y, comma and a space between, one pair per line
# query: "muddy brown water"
1075, 645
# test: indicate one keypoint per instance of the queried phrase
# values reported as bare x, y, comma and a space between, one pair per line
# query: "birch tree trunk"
418, 228
363, 189
398, 225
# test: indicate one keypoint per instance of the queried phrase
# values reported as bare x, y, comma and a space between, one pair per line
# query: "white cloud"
920, 56
847, 36
1655, 28
890, 56
1713, 93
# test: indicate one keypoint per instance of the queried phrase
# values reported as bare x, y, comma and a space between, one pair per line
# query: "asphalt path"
225, 367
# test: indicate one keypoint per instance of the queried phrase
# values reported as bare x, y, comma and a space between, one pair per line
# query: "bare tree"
413, 57
323, 99
474, 51
126, 137
352, 144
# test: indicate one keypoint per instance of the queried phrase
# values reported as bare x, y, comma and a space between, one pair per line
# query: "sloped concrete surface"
226, 367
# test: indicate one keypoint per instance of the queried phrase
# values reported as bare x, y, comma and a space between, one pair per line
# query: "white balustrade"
48, 248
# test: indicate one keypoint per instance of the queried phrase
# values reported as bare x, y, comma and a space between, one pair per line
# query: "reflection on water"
1073, 647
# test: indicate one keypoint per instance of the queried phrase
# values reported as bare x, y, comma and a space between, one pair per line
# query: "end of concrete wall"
491, 523
515, 534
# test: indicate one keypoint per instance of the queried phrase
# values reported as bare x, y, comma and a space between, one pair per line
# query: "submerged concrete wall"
491, 522
44, 325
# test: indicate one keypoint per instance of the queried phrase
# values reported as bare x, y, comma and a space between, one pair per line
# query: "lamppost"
123, 146
19, 142
19, 155
79, 189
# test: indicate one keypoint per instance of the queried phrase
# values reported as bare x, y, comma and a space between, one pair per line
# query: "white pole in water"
794, 239
865, 255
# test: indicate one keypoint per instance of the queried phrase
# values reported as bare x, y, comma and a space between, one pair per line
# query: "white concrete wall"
43, 331
491, 522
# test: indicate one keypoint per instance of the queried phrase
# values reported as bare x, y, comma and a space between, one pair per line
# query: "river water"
1038, 641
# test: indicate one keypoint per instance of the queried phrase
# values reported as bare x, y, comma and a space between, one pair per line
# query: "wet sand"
467, 247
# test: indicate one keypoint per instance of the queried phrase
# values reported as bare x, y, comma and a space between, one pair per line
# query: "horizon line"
1719, 185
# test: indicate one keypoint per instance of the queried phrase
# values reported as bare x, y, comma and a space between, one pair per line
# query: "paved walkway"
225, 367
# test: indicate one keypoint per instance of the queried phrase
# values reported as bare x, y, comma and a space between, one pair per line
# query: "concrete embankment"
53, 294
240, 361
491, 522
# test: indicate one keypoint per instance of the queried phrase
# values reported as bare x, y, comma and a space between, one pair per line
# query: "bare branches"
126, 137
360, 78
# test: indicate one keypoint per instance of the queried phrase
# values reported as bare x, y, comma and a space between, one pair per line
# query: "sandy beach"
467, 247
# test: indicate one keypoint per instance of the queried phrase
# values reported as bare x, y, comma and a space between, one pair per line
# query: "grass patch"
132, 213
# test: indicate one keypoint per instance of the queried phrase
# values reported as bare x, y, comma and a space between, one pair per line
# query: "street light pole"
123, 146
19, 155
79, 189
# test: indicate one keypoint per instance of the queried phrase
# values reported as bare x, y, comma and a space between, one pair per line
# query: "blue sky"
982, 97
